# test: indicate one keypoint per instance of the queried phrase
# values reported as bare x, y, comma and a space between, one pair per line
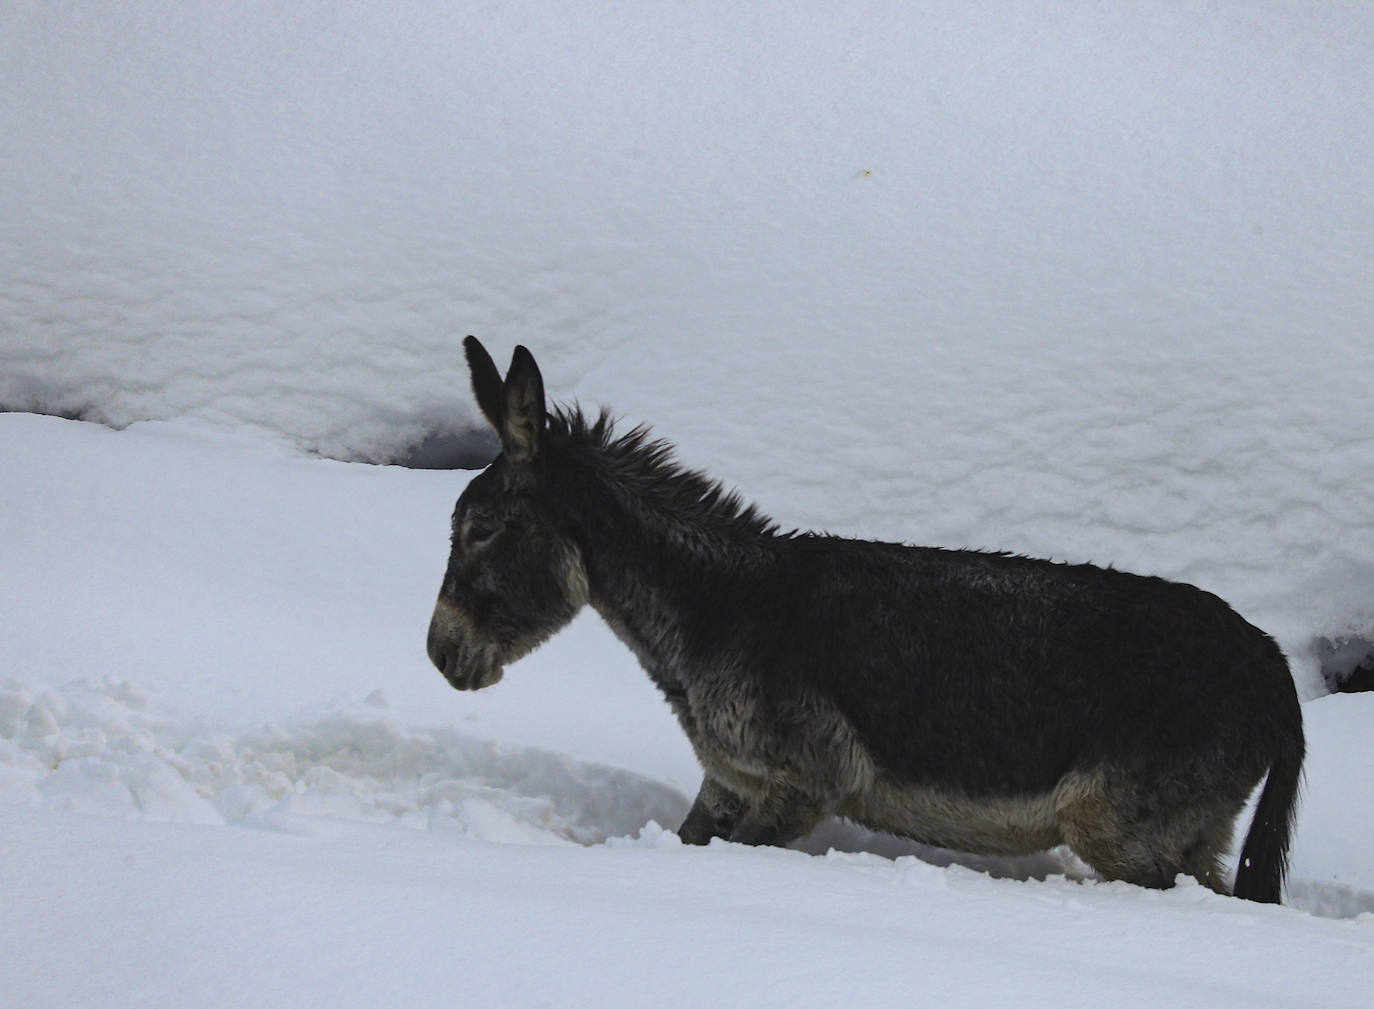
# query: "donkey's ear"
523, 430
487, 384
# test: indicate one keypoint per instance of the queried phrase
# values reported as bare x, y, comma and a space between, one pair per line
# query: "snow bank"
287, 217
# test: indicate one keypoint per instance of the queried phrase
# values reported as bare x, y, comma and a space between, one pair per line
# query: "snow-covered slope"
313, 200
229, 776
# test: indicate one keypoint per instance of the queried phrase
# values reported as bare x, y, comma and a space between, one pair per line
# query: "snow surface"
229, 776
1085, 282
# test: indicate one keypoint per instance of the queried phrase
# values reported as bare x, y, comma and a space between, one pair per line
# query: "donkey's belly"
989, 825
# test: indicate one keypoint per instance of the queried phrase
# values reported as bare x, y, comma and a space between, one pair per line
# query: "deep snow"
228, 776
190, 915
1092, 283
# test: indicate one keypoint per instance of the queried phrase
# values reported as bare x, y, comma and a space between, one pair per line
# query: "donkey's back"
1068, 663
978, 701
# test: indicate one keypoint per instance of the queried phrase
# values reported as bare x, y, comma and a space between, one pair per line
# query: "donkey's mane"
644, 468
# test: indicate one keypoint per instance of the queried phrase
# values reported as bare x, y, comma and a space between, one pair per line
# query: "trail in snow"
111, 748
107, 748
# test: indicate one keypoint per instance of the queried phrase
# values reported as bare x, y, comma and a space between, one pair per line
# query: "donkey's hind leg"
714, 814
1203, 859
1148, 844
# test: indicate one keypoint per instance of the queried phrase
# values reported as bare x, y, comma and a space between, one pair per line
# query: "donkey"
978, 701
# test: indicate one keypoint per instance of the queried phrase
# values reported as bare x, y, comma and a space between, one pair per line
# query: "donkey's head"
514, 575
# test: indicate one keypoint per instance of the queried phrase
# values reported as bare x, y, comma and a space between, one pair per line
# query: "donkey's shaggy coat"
977, 701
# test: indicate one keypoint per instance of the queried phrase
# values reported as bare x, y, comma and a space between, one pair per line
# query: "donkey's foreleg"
784, 814
714, 814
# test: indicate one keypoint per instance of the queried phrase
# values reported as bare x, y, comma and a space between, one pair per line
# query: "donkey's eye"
477, 533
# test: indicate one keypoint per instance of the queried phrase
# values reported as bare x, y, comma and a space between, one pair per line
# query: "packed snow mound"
110, 748
289, 216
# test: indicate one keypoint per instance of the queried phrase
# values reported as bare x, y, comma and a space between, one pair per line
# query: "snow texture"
210, 646
100, 748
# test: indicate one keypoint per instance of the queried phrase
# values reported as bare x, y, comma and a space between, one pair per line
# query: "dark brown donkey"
976, 701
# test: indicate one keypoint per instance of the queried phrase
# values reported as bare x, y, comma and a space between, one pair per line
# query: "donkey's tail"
1264, 856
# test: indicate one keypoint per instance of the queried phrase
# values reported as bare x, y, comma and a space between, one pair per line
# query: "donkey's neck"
653, 586
662, 550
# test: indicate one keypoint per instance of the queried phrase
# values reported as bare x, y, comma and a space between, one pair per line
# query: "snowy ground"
228, 776
1091, 282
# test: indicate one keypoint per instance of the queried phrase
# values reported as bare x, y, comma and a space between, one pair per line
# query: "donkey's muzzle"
454, 652
458, 668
